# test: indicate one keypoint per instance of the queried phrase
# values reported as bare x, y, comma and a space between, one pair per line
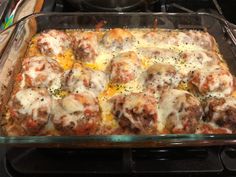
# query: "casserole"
27, 27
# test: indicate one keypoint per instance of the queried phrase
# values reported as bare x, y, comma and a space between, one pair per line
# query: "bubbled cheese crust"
76, 114
121, 81
125, 67
53, 42
40, 71
214, 81
85, 46
136, 112
179, 111
31, 108
118, 39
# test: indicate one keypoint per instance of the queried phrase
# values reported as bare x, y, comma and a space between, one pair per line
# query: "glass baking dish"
14, 42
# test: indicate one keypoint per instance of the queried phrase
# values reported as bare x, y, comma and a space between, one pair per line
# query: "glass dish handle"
231, 31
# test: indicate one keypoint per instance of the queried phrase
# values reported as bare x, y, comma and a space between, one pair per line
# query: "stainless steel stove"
184, 161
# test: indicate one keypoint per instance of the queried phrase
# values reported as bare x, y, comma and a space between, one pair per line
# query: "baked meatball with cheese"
40, 72
85, 80
31, 109
161, 76
118, 38
200, 58
53, 42
85, 46
125, 67
136, 112
199, 39
76, 114
221, 111
214, 80
181, 111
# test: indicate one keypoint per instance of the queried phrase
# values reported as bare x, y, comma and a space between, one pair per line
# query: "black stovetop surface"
207, 161
184, 162
222, 7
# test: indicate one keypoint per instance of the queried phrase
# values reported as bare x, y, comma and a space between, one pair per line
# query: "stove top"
207, 161
186, 161
220, 7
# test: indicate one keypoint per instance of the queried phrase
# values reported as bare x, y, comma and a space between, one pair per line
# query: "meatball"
136, 112
213, 80
85, 80
180, 111
53, 42
125, 67
118, 38
31, 108
85, 46
76, 114
222, 112
40, 72
200, 58
200, 39
161, 76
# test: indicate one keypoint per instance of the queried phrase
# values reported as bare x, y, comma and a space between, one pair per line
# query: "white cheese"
31, 100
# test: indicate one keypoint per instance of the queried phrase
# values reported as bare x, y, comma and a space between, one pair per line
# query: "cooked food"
76, 114
85, 46
40, 71
53, 42
222, 112
81, 80
31, 109
125, 67
118, 39
209, 128
200, 58
213, 80
179, 111
122, 81
191, 38
161, 76
136, 112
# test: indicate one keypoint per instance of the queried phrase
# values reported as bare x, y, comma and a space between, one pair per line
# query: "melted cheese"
96, 80
31, 101
54, 41
169, 104
66, 59
183, 50
43, 72
72, 109
221, 82
229, 102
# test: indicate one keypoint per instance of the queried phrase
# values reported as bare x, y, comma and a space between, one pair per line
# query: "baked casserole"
122, 81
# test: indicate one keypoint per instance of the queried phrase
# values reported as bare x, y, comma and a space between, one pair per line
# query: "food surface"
122, 81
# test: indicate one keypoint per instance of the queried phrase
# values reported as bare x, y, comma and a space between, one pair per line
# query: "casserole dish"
24, 30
